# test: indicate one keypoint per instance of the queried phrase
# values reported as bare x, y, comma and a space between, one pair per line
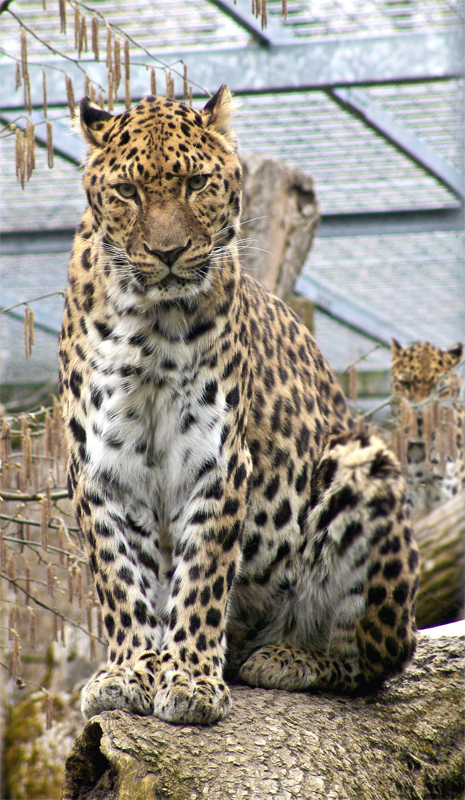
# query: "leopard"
238, 527
428, 378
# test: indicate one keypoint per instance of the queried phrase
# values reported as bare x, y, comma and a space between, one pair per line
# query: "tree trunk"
405, 742
440, 536
280, 215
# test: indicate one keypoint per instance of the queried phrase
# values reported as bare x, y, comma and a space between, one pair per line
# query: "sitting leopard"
237, 526
418, 372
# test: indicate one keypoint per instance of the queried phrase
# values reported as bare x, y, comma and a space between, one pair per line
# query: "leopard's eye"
127, 190
197, 182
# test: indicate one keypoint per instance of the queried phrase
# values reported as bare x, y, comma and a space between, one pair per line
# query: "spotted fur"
235, 523
419, 372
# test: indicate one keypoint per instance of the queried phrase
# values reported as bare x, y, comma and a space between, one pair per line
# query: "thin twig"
139, 46
48, 608
30, 543
33, 299
27, 498
49, 47
362, 358
24, 521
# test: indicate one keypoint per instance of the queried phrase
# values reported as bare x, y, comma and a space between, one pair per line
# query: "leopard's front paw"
181, 698
129, 687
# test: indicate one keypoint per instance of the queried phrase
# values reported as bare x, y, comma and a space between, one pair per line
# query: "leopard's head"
163, 183
416, 370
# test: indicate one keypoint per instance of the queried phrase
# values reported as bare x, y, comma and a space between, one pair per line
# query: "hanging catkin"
109, 58
127, 75
25, 73
18, 80
49, 449
117, 64
153, 82
62, 11
30, 149
83, 43
185, 83
49, 142
28, 330
111, 90
71, 584
44, 91
57, 427
3, 554
35, 466
32, 629
77, 29
95, 38
61, 542
55, 628
51, 580
6, 442
44, 522
70, 96
16, 657
20, 158
26, 446
170, 94
78, 585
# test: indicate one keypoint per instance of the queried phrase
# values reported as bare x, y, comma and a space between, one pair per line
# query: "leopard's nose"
167, 256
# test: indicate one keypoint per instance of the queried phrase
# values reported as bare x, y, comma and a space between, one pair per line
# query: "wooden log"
405, 742
280, 215
441, 537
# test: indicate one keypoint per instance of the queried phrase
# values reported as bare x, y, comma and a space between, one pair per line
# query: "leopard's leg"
354, 607
189, 684
124, 558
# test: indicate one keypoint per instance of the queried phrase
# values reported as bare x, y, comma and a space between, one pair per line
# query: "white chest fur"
152, 430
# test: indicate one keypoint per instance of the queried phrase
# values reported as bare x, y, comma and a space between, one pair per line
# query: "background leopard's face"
164, 185
415, 370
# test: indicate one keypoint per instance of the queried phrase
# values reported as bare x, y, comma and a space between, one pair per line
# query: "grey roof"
353, 168
156, 25
312, 18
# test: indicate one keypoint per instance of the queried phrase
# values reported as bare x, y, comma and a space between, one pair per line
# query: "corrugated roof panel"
311, 18
164, 24
354, 169
414, 280
434, 111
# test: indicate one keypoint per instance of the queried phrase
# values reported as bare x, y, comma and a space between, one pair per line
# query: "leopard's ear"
216, 114
455, 352
93, 122
395, 347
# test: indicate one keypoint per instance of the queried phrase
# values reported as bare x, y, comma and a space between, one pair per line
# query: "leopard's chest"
153, 431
